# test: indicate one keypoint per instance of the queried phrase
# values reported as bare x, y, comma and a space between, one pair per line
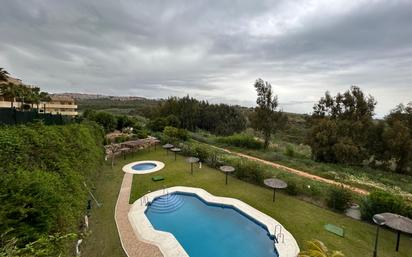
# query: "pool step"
166, 203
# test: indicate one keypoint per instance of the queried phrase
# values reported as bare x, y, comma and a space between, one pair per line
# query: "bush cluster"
339, 198
380, 202
175, 133
241, 140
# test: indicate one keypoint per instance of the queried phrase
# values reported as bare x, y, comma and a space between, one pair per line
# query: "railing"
144, 199
279, 236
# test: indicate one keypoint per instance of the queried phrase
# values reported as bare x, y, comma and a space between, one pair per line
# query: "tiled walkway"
131, 244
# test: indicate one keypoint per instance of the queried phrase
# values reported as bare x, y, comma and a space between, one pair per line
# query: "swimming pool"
143, 167
206, 230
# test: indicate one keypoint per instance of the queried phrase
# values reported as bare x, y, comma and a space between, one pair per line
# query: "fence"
11, 116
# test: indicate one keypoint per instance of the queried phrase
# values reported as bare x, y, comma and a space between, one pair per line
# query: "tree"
343, 124
124, 121
4, 75
265, 118
9, 91
173, 121
157, 124
106, 120
398, 138
316, 248
191, 114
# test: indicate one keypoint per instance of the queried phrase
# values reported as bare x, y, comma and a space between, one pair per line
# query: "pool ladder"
144, 200
279, 237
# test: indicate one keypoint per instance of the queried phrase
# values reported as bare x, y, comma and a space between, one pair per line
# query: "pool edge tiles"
170, 246
128, 168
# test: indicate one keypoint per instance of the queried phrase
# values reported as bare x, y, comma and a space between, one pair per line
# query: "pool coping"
170, 246
128, 167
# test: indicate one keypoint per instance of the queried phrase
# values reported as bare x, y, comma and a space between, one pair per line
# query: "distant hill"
80, 96
129, 105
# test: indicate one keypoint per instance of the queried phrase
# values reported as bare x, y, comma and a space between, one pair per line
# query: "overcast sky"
212, 50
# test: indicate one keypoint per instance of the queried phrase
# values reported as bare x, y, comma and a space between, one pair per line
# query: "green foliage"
265, 118
157, 124
398, 138
121, 139
140, 106
241, 140
292, 188
42, 174
45, 246
124, 121
172, 121
107, 120
250, 171
339, 198
290, 151
340, 127
141, 133
191, 114
175, 134
316, 248
380, 202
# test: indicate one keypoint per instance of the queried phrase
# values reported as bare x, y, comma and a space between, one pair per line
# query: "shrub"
241, 140
41, 177
121, 139
140, 133
182, 134
290, 151
292, 188
250, 171
157, 125
172, 121
339, 198
381, 201
174, 133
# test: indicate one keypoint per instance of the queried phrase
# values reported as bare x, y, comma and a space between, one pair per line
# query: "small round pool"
143, 167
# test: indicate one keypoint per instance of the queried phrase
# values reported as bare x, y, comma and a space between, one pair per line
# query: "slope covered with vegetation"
42, 191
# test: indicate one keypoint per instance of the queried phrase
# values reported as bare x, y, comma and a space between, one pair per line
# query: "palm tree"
316, 248
8, 91
4, 75
44, 97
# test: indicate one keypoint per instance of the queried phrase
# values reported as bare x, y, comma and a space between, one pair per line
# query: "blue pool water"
206, 230
144, 166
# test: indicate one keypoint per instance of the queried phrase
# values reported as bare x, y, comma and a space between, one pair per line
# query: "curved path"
295, 171
132, 246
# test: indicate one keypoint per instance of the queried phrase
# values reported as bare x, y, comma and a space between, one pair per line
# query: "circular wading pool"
143, 167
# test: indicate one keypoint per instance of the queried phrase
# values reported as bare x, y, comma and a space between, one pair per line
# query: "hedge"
41, 177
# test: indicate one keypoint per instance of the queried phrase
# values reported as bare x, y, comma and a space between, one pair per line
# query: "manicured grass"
103, 240
304, 220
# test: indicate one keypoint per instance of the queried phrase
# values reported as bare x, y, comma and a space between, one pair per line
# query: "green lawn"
304, 220
103, 240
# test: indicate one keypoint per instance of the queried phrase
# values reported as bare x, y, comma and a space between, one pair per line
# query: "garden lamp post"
379, 221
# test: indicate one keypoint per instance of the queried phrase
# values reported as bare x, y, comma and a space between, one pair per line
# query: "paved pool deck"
132, 246
140, 239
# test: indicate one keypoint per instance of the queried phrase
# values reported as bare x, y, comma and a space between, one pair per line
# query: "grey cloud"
211, 49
